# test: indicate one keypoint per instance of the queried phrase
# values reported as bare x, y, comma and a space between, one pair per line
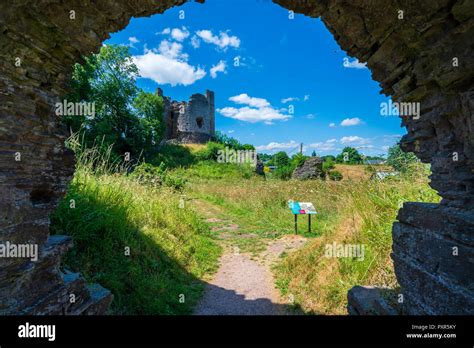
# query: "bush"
210, 152
173, 156
283, 172
400, 160
328, 165
335, 175
211, 170
156, 176
298, 160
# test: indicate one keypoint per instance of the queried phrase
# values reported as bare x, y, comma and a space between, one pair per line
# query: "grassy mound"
135, 240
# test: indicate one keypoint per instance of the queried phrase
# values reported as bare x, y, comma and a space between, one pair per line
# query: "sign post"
302, 208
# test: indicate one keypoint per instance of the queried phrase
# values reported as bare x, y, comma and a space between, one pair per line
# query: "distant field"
358, 172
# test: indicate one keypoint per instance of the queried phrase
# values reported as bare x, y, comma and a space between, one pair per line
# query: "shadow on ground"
228, 302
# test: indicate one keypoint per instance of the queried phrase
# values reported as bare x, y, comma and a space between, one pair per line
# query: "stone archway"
412, 58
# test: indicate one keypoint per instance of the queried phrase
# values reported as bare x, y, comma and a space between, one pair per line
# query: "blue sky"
290, 84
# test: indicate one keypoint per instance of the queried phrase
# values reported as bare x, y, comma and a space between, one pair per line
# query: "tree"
349, 155
313, 154
281, 159
149, 108
232, 143
400, 160
108, 79
265, 157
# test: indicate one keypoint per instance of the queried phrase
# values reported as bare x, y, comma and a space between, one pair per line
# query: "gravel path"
243, 286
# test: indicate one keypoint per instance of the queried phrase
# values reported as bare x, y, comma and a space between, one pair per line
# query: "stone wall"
197, 117
192, 121
39, 43
412, 58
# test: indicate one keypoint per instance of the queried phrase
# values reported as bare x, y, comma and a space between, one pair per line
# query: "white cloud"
354, 64
223, 40
219, 67
172, 50
306, 97
168, 65
180, 34
351, 122
133, 40
165, 31
245, 99
255, 110
195, 42
273, 146
230, 131
332, 125
310, 116
328, 145
289, 99
354, 140
252, 115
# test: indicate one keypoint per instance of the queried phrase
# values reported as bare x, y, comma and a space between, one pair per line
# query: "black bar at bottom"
234, 329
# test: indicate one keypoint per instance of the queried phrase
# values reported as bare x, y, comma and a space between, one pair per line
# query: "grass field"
353, 211
151, 246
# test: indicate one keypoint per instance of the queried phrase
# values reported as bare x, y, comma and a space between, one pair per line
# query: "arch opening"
425, 72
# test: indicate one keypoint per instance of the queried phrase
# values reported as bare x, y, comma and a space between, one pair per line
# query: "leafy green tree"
149, 108
281, 159
400, 160
329, 158
349, 155
265, 157
230, 142
125, 117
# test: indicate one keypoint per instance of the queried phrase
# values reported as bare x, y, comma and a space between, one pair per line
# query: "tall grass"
349, 212
134, 239
320, 284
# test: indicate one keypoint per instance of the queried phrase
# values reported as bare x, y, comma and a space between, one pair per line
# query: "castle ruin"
189, 122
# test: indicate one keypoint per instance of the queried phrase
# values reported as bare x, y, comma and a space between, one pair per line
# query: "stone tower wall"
196, 118
190, 122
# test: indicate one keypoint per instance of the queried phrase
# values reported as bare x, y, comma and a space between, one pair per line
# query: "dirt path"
244, 284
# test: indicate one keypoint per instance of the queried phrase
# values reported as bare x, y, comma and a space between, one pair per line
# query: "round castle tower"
190, 122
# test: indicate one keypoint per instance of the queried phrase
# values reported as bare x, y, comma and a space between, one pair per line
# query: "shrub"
328, 165
283, 172
335, 175
400, 160
298, 160
173, 156
156, 176
210, 152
